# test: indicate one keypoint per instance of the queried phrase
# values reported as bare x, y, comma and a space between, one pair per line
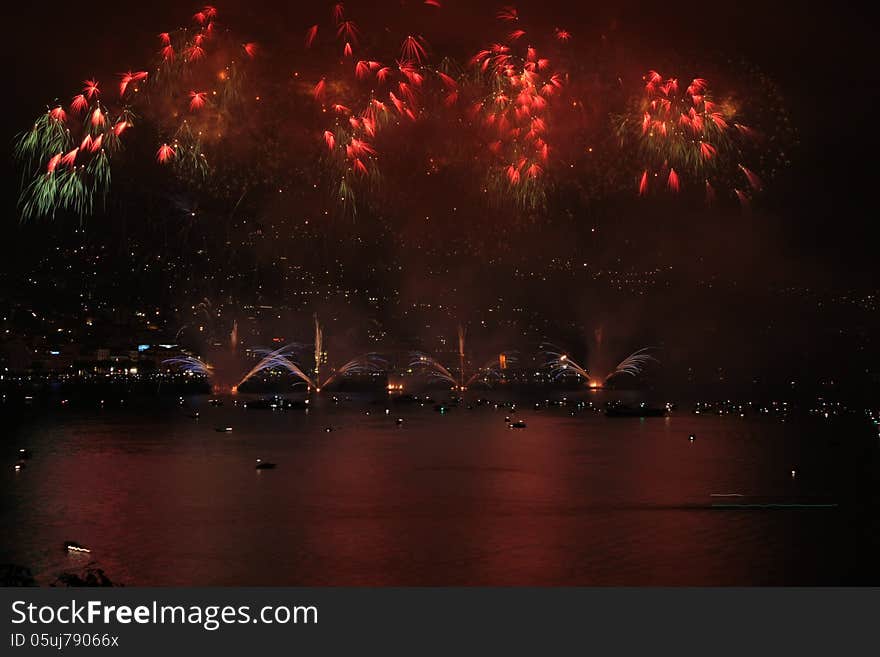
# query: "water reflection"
460, 498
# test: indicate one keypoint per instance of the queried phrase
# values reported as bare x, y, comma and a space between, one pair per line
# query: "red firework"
753, 179
338, 13
164, 154
643, 183
128, 78
79, 103
348, 31
509, 14
53, 163
562, 35
413, 49
311, 34
70, 158
98, 117
683, 131
197, 100
318, 91
710, 193
194, 53
91, 88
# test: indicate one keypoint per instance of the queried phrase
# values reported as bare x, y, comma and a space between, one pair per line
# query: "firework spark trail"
366, 364
422, 361
164, 154
190, 364
634, 364
461, 334
276, 360
319, 345
492, 370
560, 364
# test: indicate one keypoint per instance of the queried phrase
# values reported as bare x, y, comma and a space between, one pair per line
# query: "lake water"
443, 499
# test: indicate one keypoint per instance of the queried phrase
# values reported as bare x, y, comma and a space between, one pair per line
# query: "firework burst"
510, 98
685, 137
157, 96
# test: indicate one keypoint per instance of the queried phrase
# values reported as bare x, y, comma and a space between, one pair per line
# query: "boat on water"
223, 429
73, 546
264, 465
639, 410
275, 403
262, 404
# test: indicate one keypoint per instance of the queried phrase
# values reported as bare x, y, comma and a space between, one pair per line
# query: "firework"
368, 363
424, 362
511, 96
683, 134
276, 360
164, 154
561, 365
492, 370
413, 49
191, 365
282, 359
311, 35
86, 176
518, 119
634, 364
319, 345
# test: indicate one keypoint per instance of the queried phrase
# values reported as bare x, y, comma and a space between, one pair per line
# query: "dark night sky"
819, 56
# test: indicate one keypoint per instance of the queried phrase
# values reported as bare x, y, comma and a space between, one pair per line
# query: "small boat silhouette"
264, 465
